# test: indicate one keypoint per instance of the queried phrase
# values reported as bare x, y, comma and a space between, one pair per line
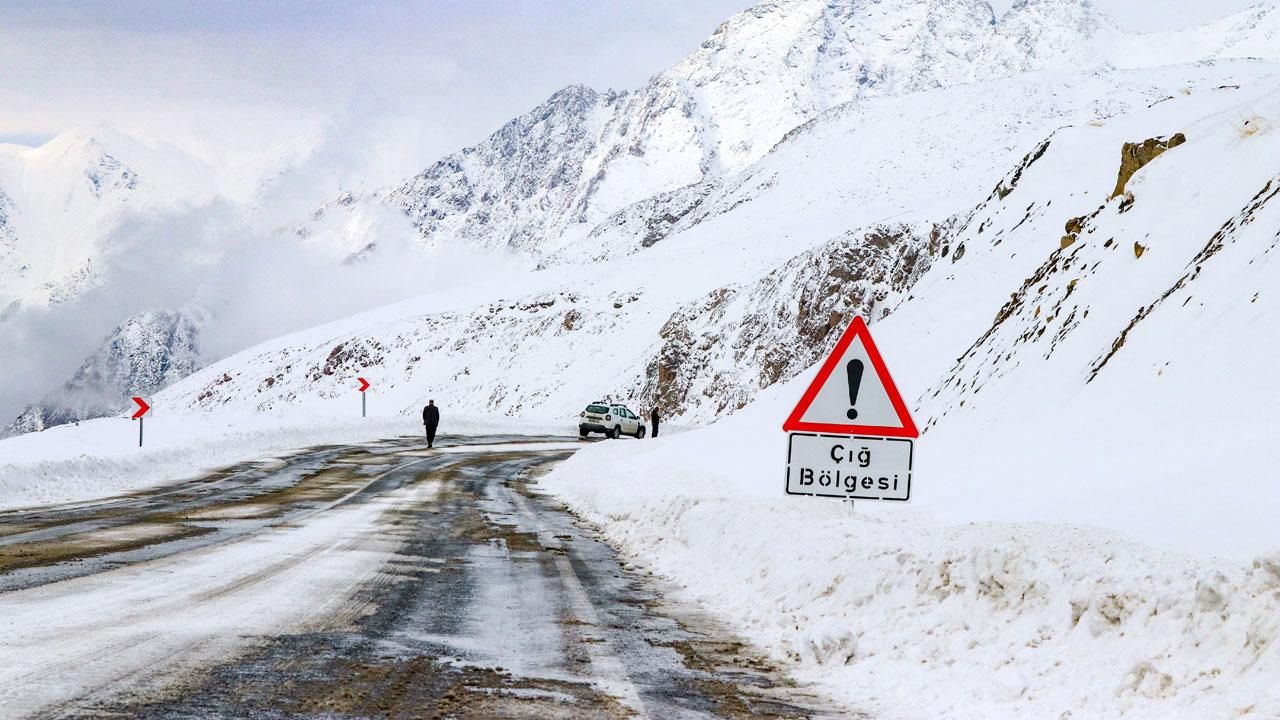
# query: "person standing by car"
653, 420
431, 420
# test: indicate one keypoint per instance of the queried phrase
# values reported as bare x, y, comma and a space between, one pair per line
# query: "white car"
611, 419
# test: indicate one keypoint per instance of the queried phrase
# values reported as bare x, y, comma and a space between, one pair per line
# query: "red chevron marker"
364, 384
143, 407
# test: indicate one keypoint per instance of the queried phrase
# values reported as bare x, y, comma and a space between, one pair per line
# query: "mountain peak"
90, 139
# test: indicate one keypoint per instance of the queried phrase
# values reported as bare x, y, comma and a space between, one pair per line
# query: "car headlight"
607, 418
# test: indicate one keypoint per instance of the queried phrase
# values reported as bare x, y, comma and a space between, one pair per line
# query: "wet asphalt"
497, 602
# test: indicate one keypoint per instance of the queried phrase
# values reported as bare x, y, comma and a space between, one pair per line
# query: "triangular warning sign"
853, 393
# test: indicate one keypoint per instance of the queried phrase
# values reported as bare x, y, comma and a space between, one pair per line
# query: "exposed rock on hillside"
718, 353
1134, 156
1225, 235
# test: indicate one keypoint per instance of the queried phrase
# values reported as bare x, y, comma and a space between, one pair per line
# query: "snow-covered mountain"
551, 179
1065, 237
800, 127
60, 202
146, 353
844, 216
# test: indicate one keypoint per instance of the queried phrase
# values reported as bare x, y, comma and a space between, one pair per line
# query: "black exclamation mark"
854, 370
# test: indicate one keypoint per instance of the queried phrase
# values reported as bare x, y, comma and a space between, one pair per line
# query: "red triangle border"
857, 330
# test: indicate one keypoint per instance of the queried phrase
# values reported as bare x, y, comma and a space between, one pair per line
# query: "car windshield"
599, 409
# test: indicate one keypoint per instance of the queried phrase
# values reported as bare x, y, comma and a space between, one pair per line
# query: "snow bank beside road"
99, 458
905, 616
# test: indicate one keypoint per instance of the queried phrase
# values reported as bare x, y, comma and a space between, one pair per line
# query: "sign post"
851, 435
143, 407
364, 385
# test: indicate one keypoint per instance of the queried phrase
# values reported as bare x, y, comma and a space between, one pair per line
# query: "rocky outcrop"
653, 219
1010, 182
1135, 156
716, 354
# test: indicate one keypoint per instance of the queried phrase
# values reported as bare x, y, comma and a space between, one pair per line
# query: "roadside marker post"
851, 436
364, 405
143, 407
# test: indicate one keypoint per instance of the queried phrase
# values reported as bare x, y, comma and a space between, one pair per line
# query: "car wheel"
615, 433
583, 434
640, 433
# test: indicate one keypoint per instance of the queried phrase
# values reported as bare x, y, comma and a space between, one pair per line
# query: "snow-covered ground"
908, 616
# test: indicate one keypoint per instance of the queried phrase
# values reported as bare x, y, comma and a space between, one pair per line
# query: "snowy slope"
553, 176
704, 318
916, 157
1091, 531
1250, 33
1146, 337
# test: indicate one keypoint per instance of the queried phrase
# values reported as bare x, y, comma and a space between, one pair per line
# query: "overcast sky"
231, 79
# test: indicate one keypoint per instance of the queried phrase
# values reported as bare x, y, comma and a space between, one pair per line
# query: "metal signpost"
851, 435
364, 406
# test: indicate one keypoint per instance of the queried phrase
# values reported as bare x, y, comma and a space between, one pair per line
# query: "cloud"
252, 280
233, 82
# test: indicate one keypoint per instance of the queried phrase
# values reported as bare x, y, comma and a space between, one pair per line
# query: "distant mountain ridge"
850, 215
60, 202
546, 180
148, 352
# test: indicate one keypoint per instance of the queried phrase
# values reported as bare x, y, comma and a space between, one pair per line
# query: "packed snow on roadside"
903, 615
100, 458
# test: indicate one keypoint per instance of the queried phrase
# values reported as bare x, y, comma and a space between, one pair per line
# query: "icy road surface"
356, 581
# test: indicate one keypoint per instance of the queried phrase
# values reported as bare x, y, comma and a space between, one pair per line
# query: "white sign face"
869, 401
863, 468
852, 394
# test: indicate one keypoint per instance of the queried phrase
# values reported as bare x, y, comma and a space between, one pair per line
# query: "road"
384, 580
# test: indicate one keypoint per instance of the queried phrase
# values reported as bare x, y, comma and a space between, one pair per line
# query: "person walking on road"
653, 420
431, 420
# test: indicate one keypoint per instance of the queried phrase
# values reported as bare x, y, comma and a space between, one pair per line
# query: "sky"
234, 79
242, 82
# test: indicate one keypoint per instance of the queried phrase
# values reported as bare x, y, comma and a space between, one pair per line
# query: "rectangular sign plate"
842, 466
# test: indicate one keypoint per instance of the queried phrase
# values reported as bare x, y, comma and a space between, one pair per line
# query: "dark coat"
431, 415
